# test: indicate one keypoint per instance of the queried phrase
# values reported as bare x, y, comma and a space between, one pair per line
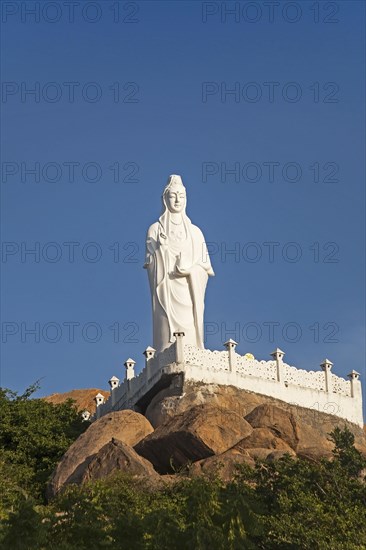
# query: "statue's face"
176, 199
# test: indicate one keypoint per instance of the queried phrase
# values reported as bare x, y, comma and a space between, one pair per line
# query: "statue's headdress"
173, 181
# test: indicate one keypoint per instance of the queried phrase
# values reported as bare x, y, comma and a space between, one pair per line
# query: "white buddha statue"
178, 266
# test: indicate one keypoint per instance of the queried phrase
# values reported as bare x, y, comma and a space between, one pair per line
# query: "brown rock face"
278, 431
197, 433
301, 429
305, 431
279, 422
224, 464
263, 437
128, 426
165, 405
213, 427
117, 456
314, 441
312, 426
262, 444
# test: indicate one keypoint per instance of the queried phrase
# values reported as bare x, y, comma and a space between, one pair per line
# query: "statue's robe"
177, 302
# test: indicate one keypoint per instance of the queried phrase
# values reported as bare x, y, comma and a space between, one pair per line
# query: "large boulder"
167, 403
263, 444
314, 441
306, 431
127, 426
260, 444
197, 433
277, 421
224, 465
264, 438
117, 456
303, 429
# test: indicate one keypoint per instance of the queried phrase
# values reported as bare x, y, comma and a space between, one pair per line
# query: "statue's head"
174, 195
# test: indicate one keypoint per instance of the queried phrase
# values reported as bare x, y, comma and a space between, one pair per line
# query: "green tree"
34, 434
315, 506
78, 519
24, 528
345, 453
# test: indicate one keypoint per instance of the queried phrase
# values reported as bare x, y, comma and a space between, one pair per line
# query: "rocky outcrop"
197, 433
278, 432
208, 429
305, 430
224, 464
166, 404
265, 439
260, 444
276, 421
117, 456
127, 426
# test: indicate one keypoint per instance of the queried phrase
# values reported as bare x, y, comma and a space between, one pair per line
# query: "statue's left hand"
181, 272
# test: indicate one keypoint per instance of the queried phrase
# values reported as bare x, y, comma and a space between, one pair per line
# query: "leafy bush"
34, 434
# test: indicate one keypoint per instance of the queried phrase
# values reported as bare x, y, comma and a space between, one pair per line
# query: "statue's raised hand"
181, 271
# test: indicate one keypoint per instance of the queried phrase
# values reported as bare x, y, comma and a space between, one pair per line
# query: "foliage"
315, 505
34, 434
284, 505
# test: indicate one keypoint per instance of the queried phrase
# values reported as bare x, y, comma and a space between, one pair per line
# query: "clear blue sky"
294, 128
